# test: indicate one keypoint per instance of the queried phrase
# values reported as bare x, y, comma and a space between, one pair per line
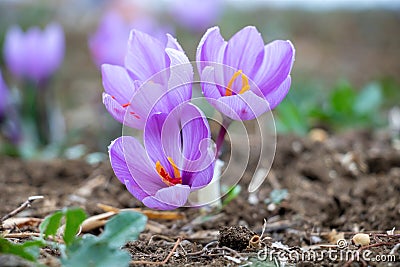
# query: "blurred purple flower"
242, 78
156, 78
9, 120
109, 43
4, 97
196, 15
36, 54
176, 160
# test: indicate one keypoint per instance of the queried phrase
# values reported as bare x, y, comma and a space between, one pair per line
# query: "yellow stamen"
245, 83
177, 173
159, 168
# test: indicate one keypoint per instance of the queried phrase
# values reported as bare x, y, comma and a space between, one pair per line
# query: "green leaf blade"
28, 250
74, 218
125, 226
50, 224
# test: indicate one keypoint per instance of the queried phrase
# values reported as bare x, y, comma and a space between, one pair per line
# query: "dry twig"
23, 206
21, 235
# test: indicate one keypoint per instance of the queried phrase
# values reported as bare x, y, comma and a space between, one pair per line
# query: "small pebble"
318, 135
361, 240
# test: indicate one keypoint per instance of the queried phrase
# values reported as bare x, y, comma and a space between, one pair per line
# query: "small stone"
318, 135
361, 240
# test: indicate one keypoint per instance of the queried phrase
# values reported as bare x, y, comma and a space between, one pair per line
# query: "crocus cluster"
36, 54
242, 78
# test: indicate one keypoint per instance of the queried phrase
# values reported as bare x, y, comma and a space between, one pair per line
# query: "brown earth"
349, 182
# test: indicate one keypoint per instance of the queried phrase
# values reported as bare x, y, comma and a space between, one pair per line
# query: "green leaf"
342, 98
290, 118
28, 250
50, 224
233, 192
369, 99
104, 251
74, 218
391, 92
125, 226
90, 251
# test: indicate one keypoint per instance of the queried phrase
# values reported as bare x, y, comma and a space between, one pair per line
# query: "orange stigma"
166, 177
245, 83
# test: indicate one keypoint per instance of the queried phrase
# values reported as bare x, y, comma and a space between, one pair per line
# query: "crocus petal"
35, 54
146, 56
195, 15
123, 115
162, 139
109, 43
117, 82
55, 45
14, 51
132, 167
245, 51
209, 84
200, 179
196, 139
4, 99
173, 43
180, 80
211, 48
148, 100
276, 65
245, 106
135, 111
276, 96
168, 198
198, 173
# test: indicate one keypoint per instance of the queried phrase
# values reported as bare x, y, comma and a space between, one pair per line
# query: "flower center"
245, 83
165, 176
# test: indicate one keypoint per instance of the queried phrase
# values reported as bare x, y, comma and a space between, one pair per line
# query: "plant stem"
211, 194
221, 135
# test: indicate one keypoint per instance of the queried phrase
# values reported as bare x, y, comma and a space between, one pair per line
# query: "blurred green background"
346, 72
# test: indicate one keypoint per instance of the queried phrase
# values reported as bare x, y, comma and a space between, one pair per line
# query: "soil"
337, 187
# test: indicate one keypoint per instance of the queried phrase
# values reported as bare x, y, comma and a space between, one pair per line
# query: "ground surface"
349, 182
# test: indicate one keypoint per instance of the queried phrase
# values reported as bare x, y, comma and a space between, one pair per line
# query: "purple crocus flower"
109, 43
241, 77
156, 78
176, 160
196, 15
36, 54
4, 97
